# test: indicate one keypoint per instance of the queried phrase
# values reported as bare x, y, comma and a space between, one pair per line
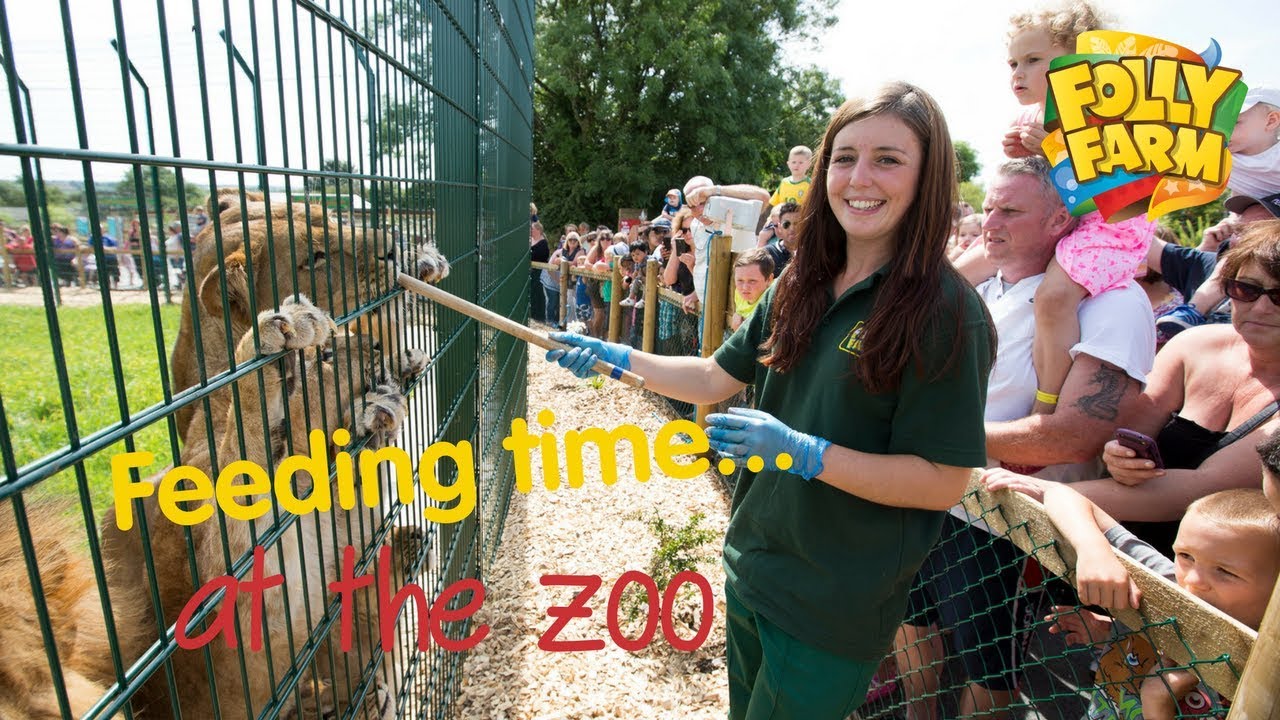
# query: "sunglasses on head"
1248, 292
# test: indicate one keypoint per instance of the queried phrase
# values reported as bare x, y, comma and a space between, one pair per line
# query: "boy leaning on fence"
1227, 554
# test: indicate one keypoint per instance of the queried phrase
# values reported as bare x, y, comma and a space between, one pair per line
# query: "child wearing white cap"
1255, 152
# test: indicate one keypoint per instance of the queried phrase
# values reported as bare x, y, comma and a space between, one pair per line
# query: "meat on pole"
508, 326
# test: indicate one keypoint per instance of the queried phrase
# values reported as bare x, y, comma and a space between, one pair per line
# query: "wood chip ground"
594, 530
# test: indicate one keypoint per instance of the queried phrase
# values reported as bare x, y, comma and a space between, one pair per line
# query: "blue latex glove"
585, 352
742, 433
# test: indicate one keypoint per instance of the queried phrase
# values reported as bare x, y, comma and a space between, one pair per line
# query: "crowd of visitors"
122, 258
1135, 381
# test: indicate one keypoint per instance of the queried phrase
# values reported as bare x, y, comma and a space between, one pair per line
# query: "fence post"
615, 298
718, 271
1258, 697
80, 251
651, 301
564, 293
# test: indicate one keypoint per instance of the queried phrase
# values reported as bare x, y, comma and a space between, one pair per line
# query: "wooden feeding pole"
508, 326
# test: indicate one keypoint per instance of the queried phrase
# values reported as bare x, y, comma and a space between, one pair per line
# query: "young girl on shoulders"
1097, 256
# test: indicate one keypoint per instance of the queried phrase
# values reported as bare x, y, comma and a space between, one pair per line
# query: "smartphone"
1144, 446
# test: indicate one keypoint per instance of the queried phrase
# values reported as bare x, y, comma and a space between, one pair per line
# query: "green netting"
977, 635
678, 333
343, 138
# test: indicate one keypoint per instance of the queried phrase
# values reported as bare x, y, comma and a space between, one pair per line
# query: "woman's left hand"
744, 433
1126, 467
1001, 479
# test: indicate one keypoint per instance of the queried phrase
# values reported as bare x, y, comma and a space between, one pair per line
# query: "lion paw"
297, 324
412, 362
379, 704
429, 265
384, 410
318, 701
407, 543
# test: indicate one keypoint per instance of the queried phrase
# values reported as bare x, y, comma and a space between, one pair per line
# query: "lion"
27, 684
304, 554
320, 376
292, 248
254, 253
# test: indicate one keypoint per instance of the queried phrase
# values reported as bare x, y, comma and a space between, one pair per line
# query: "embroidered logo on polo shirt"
852, 342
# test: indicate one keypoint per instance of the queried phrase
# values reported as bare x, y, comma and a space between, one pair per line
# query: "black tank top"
684, 279
1184, 445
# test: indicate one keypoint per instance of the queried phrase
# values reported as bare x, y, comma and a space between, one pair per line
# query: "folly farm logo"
1137, 124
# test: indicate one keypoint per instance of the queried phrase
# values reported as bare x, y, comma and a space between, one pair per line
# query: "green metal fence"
340, 139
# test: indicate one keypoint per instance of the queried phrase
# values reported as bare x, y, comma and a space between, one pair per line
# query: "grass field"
32, 401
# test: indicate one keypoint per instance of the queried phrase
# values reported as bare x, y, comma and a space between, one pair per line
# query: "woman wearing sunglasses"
1209, 400
869, 357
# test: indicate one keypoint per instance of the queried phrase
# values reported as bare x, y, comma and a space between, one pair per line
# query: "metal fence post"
144, 236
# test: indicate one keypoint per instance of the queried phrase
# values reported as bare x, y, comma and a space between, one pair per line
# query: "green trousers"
773, 676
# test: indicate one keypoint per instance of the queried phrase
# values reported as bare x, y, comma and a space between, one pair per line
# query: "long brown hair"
907, 307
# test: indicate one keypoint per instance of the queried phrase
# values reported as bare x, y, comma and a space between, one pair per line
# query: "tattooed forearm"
1108, 384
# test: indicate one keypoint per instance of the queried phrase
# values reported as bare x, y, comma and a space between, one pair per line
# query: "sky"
41, 59
956, 52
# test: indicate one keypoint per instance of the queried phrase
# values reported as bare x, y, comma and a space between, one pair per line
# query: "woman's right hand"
584, 351
1126, 467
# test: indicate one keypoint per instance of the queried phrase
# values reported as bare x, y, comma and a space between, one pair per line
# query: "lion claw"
384, 411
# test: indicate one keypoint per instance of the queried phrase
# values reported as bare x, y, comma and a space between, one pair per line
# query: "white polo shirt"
1116, 327
701, 257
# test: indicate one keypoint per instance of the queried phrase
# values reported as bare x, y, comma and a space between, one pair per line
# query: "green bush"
680, 548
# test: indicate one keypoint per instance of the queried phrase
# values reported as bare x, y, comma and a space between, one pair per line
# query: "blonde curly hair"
1063, 23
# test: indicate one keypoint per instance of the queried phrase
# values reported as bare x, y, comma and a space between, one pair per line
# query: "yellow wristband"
1046, 398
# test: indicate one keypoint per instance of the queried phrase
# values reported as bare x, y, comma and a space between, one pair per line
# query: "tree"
338, 186
812, 97
632, 98
1189, 224
126, 191
12, 194
967, 165
973, 193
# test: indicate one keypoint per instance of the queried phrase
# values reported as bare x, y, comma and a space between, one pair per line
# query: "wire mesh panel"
283, 160
678, 333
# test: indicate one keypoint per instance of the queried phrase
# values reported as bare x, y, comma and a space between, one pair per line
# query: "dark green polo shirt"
830, 568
